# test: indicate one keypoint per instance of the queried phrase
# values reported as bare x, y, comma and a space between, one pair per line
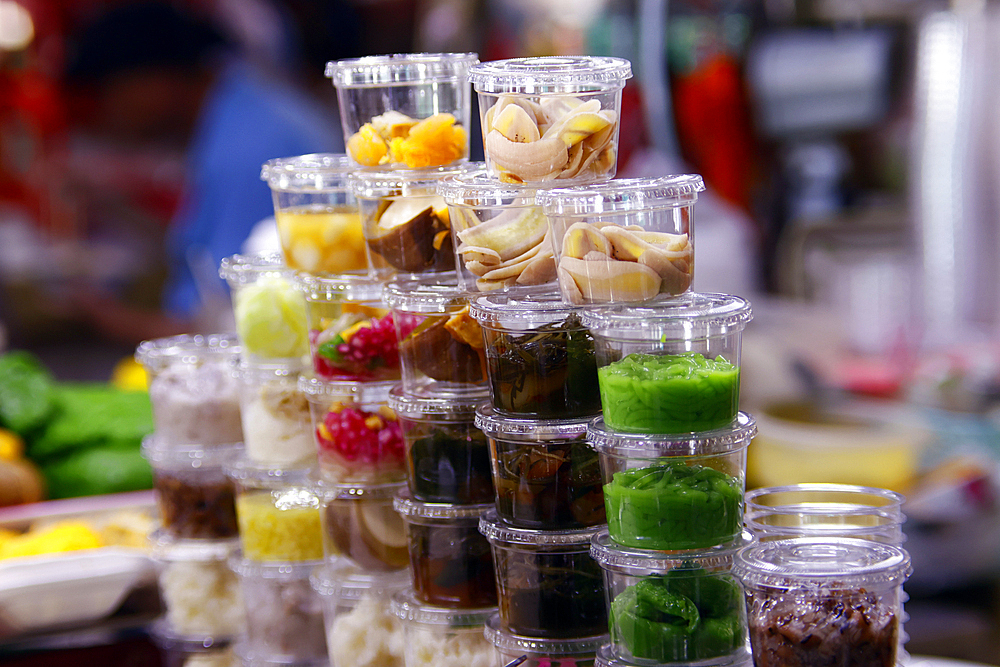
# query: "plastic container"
539, 357
360, 524
670, 367
358, 437
552, 117
181, 650
193, 494
501, 235
270, 313
824, 601
440, 637
826, 510
404, 220
278, 512
668, 608
546, 475
201, 594
361, 629
547, 583
450, 559
606, 658
441, 347
247, 658
625, 241
351, 331
284, 613
447, 456
677, 492
318, 220
405, 110
539, 651
277, 428
194, 396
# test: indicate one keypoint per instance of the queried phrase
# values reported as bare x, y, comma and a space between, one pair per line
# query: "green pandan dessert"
271, 319
669, 393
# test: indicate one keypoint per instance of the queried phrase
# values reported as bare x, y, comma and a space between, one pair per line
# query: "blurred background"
850, 148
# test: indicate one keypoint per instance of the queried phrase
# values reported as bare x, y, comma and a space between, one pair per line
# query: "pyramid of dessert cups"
197, 431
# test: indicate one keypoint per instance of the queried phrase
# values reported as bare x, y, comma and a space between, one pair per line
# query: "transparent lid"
731, 438
551, 75
367, 393
373, 183
167, 455
193, 349
688, 317
286, 571
168, 548
165, 637
620, 195
255, 475
527, 429
476, 187
828, 562
285, 372
408, 507
643, 562
400, 69
331, 491
431, 406
238, 270
348, 583
496, 530
432, 293
316, 172
350, 286
525, 310
555, 648
820, 499
406, 606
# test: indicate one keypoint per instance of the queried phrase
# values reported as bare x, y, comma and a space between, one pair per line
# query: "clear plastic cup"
447, 456
677, 492
358, 437
826, 510
270, 313
284, 612
547, 583
278, 513
405, 110
361, 525
540, 651
405, 222
625, 241
318, 220
674, 608
441, 347
501, 236
552, 117
442, 637
193, 494
545, 474
351, 331
277, 428
539, 357
179, 649
201, 594
823, 600
670, 367
606, 658
247, 658
361, 629
194, 396
450, 559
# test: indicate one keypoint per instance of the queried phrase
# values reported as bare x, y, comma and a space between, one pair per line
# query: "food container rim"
345, 582
892, 506
239, 270
243, 651
687, 317
313, 172
474, 186
508, 642
411, 508
165, 637
407, 607
431, 293
527, 429
161, 454
621, 195
330, 491
283, 371
541, 303
434, 407
400, 69
191, 349
284, 570
731, 438
643, 562
364, 392
377, 183
168, 548
551, 74
499, 532
256, 475
348, 286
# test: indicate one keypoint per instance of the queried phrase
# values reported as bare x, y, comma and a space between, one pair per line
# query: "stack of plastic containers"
198, 431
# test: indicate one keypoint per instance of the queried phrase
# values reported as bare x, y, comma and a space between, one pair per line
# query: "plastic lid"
731, 438
401, 68
408, 507
524, 310
192, 349
239, 270
168, 548
496, 530
527, 429
431, 406
432, 293
688, 317
287, 372
377, 183
254, 475
551, 74
366, 393
643, 562
510, 643
321, 172
243, 651
822, 499
835, 563
620, 195
287, 571
160, 454
476, 187
350, 286
358, 491
165, 637
350, 584
406, 606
